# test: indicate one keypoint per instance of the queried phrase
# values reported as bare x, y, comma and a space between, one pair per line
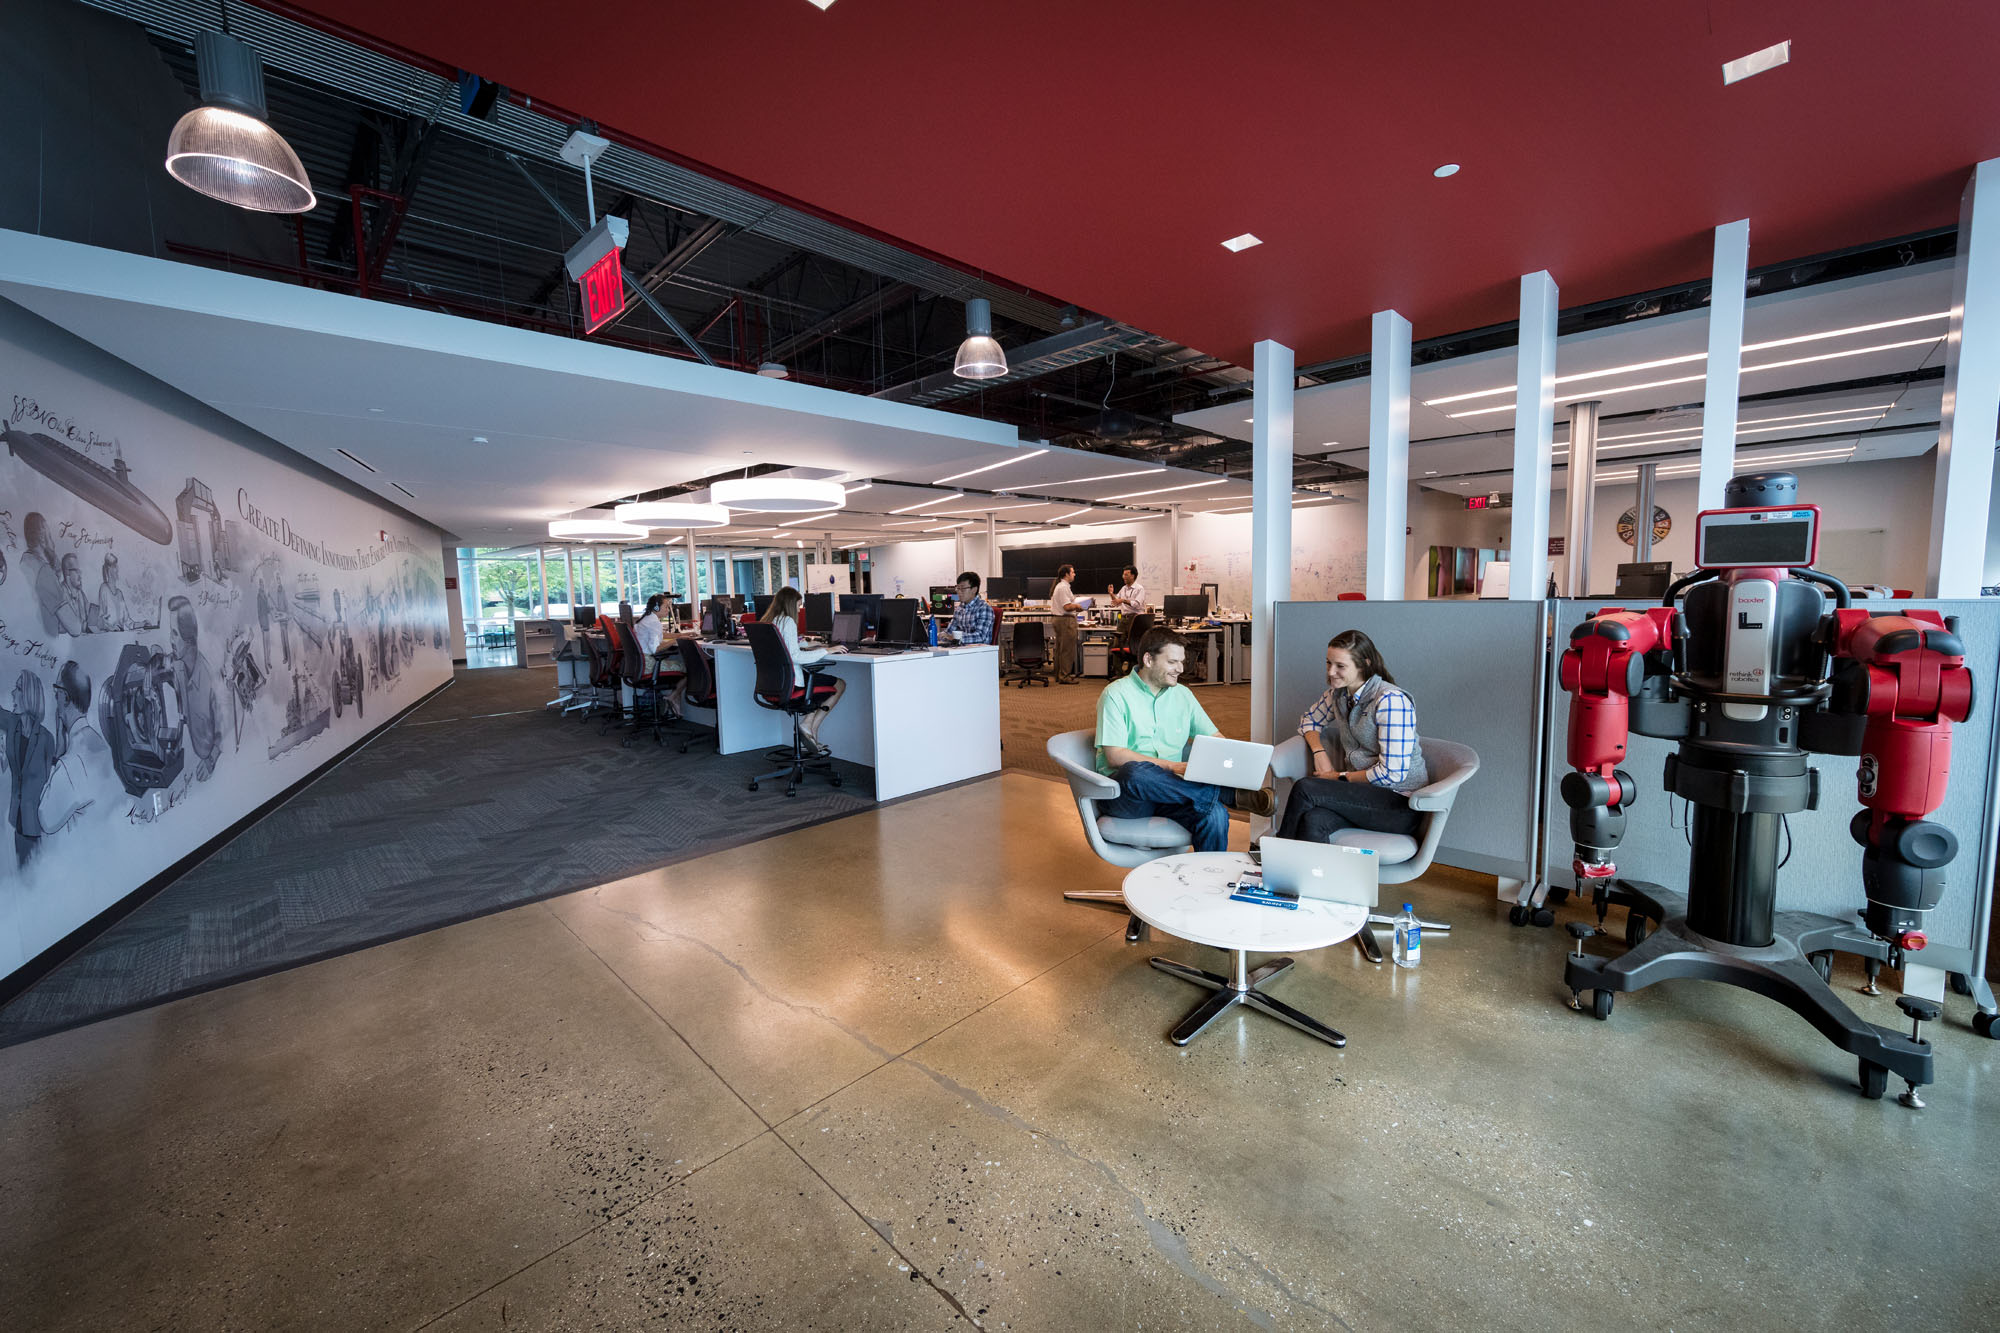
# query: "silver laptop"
1227, 763
1321, 870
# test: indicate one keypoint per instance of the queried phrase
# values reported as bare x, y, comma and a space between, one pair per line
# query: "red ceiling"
1100, 150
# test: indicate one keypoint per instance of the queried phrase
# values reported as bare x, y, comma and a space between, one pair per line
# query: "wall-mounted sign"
1556, 545
1491, 500
1663, 524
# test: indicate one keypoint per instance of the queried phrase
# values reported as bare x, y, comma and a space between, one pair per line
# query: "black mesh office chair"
639, 674
603, 670
700, 692
1124, 655
775, 689
1031, 653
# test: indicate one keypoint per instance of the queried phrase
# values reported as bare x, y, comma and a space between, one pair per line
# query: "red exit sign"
602, 289
1477, 502
1496, 500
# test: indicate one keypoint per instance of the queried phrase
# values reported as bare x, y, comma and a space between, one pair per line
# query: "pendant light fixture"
224, 148
595, 530
979, 356
779, 495
677, 514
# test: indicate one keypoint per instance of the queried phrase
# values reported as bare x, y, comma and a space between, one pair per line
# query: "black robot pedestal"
1792, 970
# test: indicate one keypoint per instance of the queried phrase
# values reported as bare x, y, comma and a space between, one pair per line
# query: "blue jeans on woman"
1147, 789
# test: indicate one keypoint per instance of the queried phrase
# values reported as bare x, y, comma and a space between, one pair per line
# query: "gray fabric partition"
1824, 873
1475, 671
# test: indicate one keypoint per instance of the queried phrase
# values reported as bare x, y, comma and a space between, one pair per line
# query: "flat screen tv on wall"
1098, 564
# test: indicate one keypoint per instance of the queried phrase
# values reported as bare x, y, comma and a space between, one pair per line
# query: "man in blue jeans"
1145, 722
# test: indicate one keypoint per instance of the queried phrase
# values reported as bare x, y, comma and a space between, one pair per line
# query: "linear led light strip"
1315, 500
994, 509
1751, 421
1689, 469
1683, 437
1162, 490
1019, 458
1691, 357
1695, 379
927, 504
1112, 522
1112, 476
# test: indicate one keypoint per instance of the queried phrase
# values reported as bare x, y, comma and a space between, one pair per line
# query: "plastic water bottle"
1409, 938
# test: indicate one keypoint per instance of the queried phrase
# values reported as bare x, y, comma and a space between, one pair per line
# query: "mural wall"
191, 620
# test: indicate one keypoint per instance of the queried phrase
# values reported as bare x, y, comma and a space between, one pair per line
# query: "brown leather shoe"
1253, 801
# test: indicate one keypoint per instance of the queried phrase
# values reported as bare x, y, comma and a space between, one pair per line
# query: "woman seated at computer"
649, 629
1362, 740
786, 607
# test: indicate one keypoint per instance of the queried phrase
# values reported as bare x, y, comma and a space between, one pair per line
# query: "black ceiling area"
424, 203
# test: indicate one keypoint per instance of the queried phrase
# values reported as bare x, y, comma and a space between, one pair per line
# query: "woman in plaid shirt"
1362, 735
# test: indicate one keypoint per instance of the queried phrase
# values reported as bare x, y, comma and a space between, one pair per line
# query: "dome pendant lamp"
223, 148
979, 356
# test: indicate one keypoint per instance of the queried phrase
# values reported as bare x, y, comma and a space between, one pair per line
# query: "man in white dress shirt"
1131, 598
1064, 606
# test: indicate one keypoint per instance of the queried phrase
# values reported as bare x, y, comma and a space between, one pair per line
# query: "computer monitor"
897, 622
1185, 606
1647, 578
846, 627
683, 612
819, 612
624, 613
737, 604
869, 604
944, 599
717, 619
761, 603
1039, 589
584, 616
1003, 589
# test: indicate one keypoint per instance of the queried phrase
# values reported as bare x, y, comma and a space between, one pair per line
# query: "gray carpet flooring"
477, 801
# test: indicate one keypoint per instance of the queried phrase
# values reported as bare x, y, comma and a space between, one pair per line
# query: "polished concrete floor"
875, 1074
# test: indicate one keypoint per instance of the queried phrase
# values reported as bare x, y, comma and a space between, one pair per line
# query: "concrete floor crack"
1169, 1245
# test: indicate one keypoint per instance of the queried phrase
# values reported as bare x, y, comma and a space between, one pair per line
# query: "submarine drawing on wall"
110, 489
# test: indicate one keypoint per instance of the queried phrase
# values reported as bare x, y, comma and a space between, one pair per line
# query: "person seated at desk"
649, 629
974, 621
1145, 722
786, 606
1365, 760
1130, 599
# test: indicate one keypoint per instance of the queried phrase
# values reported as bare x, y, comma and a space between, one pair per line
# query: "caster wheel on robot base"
1636, 930
753, 786
1983, 1025
1960, 984
1518, 914
1600, 1005
1822, 963
1874, 1081
1542, 917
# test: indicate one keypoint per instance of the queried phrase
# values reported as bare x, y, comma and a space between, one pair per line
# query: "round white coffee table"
1188, 896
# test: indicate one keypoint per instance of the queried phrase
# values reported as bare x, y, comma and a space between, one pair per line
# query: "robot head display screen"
1760, 538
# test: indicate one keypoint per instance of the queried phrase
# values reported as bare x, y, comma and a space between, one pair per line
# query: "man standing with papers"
1064, 606
1145, 722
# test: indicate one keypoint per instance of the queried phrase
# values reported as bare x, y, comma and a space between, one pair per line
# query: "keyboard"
876, 649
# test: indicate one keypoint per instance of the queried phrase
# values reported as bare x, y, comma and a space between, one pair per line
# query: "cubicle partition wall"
1476, 671
1823, 873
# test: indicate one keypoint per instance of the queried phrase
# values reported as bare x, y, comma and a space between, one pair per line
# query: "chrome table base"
1242, 989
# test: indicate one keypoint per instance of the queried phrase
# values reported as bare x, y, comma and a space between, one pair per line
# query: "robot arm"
1611, 658
1906, 673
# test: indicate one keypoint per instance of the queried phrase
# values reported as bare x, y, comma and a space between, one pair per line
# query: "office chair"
1030, 652
615, 642
639, 675
700, 691
603, 671
1122, 842
1399, 857
1350, 597
1124, 657
774, 689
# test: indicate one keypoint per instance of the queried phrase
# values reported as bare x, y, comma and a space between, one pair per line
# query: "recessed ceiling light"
377, 409
1735, 71
1238, 244
1020, 458
479, 439
1329, 444
1431, 473
926, 504
1448, 169
1193, 485
822, 5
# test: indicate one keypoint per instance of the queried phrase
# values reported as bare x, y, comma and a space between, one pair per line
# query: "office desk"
920, 719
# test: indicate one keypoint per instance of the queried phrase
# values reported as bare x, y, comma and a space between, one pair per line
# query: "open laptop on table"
846, 636
1322, 870
1221, 762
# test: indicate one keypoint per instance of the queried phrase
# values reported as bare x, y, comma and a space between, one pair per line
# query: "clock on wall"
1663, 524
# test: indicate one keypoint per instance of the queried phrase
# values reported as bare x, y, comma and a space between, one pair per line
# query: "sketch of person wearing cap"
31, 753
84, 772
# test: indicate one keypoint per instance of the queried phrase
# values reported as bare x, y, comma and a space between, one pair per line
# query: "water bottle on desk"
1409, 938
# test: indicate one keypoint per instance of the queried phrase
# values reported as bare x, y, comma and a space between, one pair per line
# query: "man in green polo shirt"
1144, 723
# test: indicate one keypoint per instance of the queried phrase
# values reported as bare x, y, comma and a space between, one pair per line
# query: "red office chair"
1124, 656
700, 692
1350, 597
776, 690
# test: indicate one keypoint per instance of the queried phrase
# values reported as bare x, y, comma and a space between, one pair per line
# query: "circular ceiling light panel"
672, 514
1448, 169
779, 495
595, 530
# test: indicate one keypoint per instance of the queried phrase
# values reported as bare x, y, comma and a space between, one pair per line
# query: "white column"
1174, 546
569, 576
1962, 492
618, 572
1534, 440
1725, 361
992, 546
542, 579
1270, 521
1388, 456
1642, 511
957, 551
1580, 490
